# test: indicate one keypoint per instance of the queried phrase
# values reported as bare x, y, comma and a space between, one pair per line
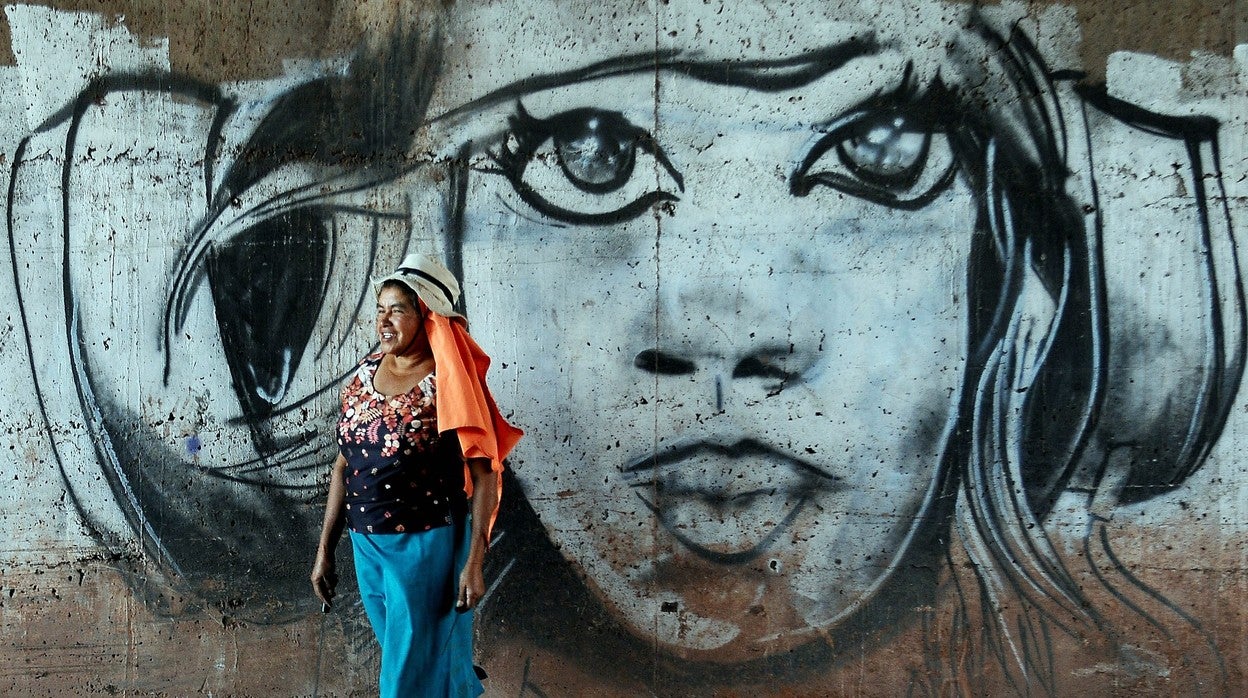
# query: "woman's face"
399, 324
735, 361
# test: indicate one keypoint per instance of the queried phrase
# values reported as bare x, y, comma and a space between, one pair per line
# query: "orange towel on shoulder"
464, 402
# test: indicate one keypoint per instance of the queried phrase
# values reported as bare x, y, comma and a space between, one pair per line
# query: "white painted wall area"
857, 347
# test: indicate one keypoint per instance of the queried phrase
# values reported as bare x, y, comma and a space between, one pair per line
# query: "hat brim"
432, 297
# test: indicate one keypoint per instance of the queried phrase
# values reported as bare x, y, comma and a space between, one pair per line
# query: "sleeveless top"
402, 476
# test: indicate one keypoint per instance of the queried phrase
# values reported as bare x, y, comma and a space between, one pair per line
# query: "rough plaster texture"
863, 348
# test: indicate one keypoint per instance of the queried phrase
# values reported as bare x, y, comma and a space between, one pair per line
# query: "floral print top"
401, 476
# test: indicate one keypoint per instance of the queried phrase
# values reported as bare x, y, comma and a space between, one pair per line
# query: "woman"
417, 431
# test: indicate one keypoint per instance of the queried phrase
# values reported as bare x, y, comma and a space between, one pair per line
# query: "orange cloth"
464, 402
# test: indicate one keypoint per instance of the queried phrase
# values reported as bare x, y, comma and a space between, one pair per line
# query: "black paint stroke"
266, 282
197, 522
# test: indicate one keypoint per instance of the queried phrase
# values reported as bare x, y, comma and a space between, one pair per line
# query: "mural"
835, 330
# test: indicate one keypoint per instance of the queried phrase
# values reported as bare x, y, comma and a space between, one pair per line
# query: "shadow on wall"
809, 346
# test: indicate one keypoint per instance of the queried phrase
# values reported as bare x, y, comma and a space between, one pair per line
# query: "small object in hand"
324, 607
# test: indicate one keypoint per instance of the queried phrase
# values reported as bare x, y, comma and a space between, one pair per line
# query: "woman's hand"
324, 577
471, 586
484, 506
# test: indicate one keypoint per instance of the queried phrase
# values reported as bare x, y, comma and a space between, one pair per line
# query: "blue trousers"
408, 582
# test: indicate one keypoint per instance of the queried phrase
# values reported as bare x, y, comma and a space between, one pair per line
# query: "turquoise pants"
408, 582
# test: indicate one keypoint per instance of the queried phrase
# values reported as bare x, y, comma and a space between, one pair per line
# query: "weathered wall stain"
240, 40
861, 349
228, 40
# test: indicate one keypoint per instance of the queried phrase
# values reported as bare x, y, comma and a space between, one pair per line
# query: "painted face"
399, 329
743, 330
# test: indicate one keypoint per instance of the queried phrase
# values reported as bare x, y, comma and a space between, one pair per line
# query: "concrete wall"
863, 348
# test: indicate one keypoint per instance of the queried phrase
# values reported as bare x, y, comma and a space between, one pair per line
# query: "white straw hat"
433, 283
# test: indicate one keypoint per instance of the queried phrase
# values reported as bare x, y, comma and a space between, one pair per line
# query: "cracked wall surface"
861, 347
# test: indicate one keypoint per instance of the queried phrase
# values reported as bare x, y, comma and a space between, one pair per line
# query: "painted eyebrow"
774, 75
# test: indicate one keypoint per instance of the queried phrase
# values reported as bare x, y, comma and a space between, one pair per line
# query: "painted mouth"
727, 503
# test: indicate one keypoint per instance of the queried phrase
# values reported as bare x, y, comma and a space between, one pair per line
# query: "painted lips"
727, 502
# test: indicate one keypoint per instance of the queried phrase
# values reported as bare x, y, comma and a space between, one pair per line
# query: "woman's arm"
324, 576
484, 505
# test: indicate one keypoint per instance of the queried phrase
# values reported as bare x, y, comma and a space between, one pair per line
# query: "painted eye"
886, 153
887, 157
260, 281
578, 167
286, 290
596, 157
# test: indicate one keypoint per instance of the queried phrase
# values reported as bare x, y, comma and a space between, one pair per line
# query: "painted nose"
769, 371
736, 345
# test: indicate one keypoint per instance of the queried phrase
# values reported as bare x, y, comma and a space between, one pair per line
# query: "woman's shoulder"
363, 373
368, 364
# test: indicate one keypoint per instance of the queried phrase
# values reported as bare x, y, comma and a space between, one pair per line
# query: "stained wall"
861, 347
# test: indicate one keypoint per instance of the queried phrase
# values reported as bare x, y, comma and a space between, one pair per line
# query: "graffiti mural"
849, 340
